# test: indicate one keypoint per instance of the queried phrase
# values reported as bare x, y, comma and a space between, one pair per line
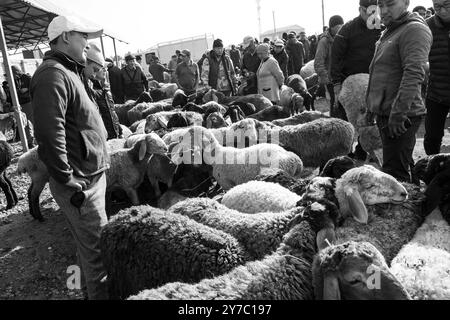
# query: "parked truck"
164, 51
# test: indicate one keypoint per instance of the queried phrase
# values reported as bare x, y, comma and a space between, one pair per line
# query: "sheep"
385, 212
145, 247
283, 275
128, 166
246, 107
235, 113
300, 87
232, 166
312, 83
304, 117
272, 113
115, 144
169, 199
315, 142
352, 97
263, 196
143, 110
423, 265
193, 107
169, 89
354, 271
178, 120
215, 120
6, 155
126, 132
160, 169
212, 107
159, 120
180, 99
334, 168
31, 164
257, 100
239, 134
122, 109
307, 70
291, 100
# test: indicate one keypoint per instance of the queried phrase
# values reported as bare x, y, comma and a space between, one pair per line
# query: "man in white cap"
72, 143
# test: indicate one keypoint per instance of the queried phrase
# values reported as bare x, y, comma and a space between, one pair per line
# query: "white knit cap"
62, 24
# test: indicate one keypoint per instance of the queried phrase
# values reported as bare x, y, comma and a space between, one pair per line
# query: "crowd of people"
71, 96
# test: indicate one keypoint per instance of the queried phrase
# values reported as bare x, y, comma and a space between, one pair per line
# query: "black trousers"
434, 126
397, 152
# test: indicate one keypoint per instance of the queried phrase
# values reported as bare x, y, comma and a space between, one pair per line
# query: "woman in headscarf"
270, 76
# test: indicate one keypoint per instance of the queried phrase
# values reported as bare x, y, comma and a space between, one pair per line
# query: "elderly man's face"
94, 71
218, 51
442, 8
391, 10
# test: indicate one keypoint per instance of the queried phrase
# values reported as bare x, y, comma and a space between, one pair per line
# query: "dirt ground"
34, 256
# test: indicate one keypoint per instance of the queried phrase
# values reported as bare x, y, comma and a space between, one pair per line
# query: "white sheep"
262, 232
304, 117
353, 99
232, 166
423, 265
307, 70
258, 196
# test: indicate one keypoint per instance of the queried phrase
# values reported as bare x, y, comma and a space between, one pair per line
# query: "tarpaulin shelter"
23, 25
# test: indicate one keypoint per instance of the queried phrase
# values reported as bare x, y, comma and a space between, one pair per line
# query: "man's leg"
397, 153
434, 126
86, 224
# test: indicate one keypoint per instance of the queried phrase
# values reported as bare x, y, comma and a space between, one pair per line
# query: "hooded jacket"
397, 70
68, 126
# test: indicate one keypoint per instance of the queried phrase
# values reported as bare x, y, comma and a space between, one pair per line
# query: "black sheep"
6, 155
157, 95
301, 87
235, 113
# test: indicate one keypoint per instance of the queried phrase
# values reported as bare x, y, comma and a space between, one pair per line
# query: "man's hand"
397, 129
337, 90
78, 184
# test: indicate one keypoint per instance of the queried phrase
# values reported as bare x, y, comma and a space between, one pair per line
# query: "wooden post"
115, 53
323, 14
103, 47
12, 88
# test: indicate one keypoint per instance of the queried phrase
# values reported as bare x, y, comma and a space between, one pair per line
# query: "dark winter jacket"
397, 70
115, 80
134, 82
105, 104
250, 62
296, 53
353, 50
283, 60
156, 69
307, 48
235, 56
439, 83
68, 126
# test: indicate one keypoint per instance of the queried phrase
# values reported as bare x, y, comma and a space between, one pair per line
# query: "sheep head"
426, 169
355, 271
367, 185
336, 167
155, 122
235, 113
297, 103
152, 144
215, 120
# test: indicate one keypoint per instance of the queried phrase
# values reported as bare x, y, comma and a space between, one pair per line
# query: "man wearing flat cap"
72, 143
134, 81
352, 52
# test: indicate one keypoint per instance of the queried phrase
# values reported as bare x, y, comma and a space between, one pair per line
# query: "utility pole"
258, 7
323, 14
274, 24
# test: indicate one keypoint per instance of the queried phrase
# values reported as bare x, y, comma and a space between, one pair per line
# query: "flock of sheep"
228, 225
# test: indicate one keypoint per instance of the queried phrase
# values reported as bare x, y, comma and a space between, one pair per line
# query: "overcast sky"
145, 23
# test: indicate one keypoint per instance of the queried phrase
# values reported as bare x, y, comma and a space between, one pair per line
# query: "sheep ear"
331, 289
356, 205
433, 196
162, 123
325, 238
142, 150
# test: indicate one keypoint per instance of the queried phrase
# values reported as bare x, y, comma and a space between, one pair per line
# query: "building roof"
26, 21
294, 27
